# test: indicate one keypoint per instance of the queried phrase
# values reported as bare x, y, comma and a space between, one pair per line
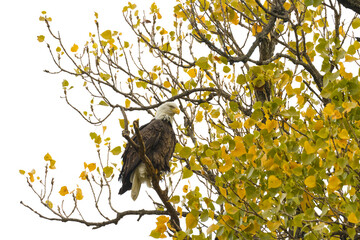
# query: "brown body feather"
159, 140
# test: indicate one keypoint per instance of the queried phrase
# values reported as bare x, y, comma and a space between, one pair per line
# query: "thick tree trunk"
351, 4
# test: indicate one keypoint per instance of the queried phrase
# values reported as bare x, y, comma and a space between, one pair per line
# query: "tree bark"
351, 4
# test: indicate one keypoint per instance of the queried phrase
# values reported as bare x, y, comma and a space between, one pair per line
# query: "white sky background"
35, 120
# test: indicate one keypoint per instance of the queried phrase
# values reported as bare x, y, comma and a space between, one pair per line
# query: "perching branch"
96, 225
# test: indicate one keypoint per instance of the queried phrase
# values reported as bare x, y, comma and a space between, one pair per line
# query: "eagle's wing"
151, 134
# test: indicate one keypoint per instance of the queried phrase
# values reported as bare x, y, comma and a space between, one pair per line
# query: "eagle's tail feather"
135, 189
137, 178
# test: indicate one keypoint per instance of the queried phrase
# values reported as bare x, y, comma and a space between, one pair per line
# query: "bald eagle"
159, 140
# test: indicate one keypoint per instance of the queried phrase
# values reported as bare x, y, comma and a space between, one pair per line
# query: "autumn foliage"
269, 95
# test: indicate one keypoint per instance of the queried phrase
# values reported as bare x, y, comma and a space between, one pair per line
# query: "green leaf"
65, 83
108, 171
323, 133
93, 135
187, 173
155, 234
116, 150
317, 3
209, 152
257, 114
351, 232
241, 79
203, 63
308, 2
97, 139
102, 103
226, 69
105, 76
174, 91
175, 199
356, 23
185, 152
297, 221
166, 47
234, 106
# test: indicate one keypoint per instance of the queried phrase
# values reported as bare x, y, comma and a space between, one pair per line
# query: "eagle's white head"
167, 111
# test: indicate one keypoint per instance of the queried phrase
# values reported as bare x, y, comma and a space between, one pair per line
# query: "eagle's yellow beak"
176, 110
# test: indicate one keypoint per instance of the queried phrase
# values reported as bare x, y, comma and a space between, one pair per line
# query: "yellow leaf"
63, 191
91, 166
185, 188
239, 147
83, 175
348, 106
127, 103
228, 161
230, 208
310, 113
334, 183
329, 109
223, 191
47, 157
301, 99
343, 73
308, 148
74, 48
298, 78
153, 76
349, 58
167, 84
106, 34
191, 221
162, 219
213, 227
341, 31
249, 123
206, 161
286, 5
179, 210
267, 162
344, 135
274, 182
79, 195
199, 116
270, 125
163, 31
22, 172
31, 175
352, 218
192, 72
235, 19
241, 192
273, 225
256, 29
49, 203
52, 164
352, 191
41, 38
310, 181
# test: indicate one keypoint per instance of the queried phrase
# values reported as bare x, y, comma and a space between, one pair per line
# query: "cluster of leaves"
269, 139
